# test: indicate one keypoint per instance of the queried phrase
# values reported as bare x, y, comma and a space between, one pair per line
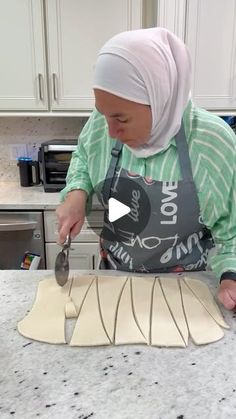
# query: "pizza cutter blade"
62, 263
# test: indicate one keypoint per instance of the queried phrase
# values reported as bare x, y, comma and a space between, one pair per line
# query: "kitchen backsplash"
35, 130
30, 131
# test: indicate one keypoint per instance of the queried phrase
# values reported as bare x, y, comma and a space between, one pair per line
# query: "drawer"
82, 255
87, 234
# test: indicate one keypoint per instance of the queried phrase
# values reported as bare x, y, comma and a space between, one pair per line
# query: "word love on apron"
163, 231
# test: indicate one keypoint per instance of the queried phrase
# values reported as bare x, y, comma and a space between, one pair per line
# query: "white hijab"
150, 66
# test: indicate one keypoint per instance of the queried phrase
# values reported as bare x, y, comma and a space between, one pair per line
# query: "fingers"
71, 217
63, 232
68, 229
75, 230
225, 298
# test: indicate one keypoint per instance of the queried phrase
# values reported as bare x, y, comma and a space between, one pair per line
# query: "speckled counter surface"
123, 382
13, 197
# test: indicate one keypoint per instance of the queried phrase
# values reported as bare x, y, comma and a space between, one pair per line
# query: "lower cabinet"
84, 253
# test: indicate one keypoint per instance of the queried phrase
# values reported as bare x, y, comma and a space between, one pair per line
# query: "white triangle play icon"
116, 209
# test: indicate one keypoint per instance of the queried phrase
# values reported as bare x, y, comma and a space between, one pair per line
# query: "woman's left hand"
227, 293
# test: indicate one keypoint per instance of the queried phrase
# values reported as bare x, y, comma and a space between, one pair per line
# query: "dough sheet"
119, 310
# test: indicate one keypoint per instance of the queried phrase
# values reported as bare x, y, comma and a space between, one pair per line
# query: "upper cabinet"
50, 48
208, 27
76, 31
23, 83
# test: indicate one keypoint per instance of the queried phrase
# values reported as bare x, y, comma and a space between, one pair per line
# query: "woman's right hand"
71, 215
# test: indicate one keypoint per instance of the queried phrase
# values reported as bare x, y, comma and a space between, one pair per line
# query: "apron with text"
174, 238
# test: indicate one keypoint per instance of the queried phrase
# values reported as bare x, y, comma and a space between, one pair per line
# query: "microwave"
54, 158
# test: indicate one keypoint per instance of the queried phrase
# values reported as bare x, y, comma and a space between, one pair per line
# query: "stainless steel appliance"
54, 157
21, 232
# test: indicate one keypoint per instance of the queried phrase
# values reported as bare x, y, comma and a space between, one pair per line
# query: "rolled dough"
124, 310
163, 328
109, 292
46, 320
80, 288
70, 309
126, 328
141, 289
171, 290
89, 330
202, 292
202, 327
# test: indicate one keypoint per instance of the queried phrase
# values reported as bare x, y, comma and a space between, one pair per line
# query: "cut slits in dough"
89, 330
109, 292
204, 295
163, 328
79, 289
117, 310
202, 327
171, 290
142, 296
126, 329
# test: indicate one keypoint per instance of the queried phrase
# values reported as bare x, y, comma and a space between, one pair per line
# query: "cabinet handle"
54, 84
40, 82
9, 225
96, 265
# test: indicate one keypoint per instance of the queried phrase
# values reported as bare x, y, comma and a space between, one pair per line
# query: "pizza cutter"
62, 263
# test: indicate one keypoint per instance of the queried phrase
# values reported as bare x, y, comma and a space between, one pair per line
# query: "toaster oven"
54, 158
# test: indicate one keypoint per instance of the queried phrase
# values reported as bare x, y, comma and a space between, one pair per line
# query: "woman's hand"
71, 214
227, 293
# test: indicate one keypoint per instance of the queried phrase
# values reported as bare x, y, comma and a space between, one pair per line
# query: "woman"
146, 131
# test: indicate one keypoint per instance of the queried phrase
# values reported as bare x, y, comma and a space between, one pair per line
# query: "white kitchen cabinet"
76, 32
84, 253
208, 27
49, 47
211, 37
23, 62
171, 15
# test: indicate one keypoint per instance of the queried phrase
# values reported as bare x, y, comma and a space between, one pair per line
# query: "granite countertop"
15, 197
123, 382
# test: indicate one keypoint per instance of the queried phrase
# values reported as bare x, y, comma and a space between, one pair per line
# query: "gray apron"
174, 238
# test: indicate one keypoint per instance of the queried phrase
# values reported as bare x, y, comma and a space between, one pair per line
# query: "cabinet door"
76, 31
211, 37
23, 64
89, 233
82, 255
171, 15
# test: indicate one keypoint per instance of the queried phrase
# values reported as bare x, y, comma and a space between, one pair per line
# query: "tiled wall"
35, 130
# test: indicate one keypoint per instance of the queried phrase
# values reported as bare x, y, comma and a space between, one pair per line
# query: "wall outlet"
17, 150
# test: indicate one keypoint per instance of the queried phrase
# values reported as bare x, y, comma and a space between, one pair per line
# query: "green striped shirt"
212, 150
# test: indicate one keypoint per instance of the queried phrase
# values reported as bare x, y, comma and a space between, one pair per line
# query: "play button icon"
124, 215
116, 210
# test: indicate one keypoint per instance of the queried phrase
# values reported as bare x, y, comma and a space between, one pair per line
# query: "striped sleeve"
224, 229
78, 173
217, 159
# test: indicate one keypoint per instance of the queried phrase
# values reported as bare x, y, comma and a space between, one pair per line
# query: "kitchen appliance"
21, 234
54, 157
29, 171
